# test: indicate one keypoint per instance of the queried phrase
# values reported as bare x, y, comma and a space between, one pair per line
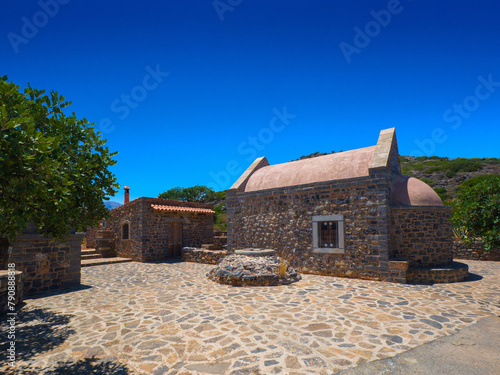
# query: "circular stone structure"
252, 270
430, 275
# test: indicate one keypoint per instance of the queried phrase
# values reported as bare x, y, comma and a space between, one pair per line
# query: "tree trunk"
4, 252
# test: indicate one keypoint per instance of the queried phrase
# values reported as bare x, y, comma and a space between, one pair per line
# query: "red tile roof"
161, 207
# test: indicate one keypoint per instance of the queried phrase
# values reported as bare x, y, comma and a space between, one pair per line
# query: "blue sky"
189, 92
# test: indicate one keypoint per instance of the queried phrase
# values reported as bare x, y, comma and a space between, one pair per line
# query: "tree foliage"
220, 216
477, 210
54, 167
197, 193
314, 155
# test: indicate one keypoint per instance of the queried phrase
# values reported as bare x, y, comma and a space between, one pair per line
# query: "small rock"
292, 362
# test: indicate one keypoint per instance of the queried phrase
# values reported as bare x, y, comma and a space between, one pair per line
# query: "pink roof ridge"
347, 164
162, 207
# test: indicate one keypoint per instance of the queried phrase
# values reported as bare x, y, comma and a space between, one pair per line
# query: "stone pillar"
15, 289
45, 264
105, 243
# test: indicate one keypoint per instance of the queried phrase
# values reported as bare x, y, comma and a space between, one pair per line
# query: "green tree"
477, 210
197, 193
443, 193
220, 216
54, 167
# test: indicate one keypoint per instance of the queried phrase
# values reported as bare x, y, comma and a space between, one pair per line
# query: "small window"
103, 224
328, 234
125, 231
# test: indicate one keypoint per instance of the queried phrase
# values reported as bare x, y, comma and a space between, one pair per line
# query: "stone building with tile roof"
154, 229
349, 214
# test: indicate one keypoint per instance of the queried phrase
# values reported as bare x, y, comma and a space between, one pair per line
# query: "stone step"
91, 256
98, 262
89, 251
209, 246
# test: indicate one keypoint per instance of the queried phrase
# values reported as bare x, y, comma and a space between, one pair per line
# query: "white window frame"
328, 250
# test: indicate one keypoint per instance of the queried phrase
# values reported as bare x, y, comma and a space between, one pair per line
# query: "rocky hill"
111, 204
445, 175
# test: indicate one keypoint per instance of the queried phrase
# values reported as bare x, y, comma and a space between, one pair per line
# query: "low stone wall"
90, 237
105, 243
220, 242
204, 256
47, 265
16, 289
451, 274
474, 252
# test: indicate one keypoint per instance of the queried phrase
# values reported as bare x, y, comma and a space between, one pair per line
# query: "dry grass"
283, 266
460, 232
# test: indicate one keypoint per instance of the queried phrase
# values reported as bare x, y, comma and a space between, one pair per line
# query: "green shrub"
220, 217
406, 170
433, 163
432, 170
443, 193
477, 209
428, 181
462, 165
488, 178
452, 167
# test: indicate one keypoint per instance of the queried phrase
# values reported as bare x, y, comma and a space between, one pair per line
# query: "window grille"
328, 234
125, 231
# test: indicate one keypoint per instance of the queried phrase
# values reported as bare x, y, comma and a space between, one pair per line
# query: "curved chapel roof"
410, 191
339, 166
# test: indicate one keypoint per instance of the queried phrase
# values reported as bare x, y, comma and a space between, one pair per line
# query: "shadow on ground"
37, 331
167, 261
472, 277
59, 291
82, 367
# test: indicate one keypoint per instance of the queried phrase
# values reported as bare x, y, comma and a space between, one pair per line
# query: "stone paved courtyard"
167, 318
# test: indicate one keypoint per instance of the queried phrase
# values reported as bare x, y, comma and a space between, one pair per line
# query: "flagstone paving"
168, 318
